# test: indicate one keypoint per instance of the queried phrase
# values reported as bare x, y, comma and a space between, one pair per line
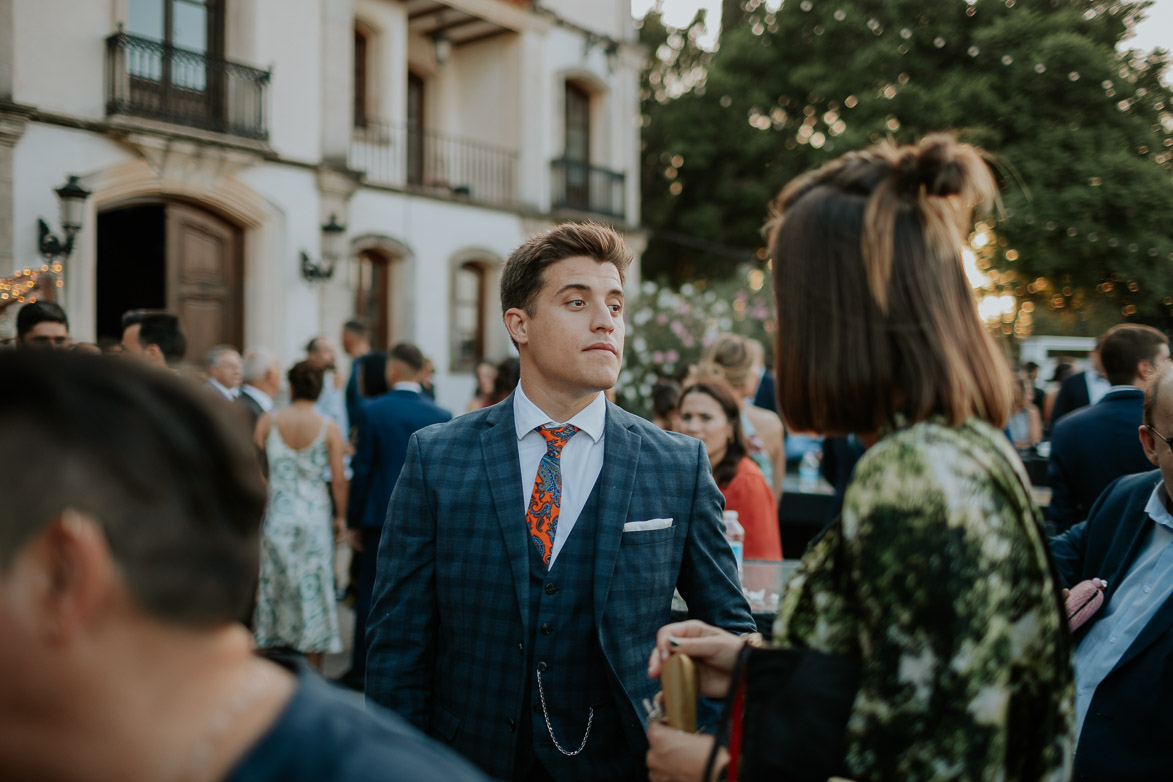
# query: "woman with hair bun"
923, 635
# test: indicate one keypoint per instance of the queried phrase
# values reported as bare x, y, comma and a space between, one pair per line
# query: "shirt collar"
407, 385
262, 399
1114, 389
223, 389
527, 416
1156, 508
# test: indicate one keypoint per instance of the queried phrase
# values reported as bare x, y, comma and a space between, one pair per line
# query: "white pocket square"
645, 526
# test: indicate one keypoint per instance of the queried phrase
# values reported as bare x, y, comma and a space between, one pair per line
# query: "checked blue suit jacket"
448, 627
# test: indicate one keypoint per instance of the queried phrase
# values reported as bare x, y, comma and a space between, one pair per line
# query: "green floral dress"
936, 578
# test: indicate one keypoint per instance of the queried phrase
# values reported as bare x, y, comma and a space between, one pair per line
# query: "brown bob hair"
876, 318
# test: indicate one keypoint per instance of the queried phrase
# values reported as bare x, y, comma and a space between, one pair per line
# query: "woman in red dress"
709, 411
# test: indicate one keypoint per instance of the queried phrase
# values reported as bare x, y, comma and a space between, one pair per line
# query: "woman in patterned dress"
295, 606
935, 579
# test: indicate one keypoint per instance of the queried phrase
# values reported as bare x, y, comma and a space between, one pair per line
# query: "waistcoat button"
542, 667
546, 628
551, 589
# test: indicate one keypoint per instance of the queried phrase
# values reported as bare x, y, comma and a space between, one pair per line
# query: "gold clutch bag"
678, 681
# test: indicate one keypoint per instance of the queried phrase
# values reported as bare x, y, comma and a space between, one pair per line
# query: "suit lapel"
616, 481
503, 470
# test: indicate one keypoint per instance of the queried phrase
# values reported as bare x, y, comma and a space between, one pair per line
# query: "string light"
18, 289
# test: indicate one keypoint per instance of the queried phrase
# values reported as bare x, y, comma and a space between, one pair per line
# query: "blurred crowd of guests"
516, 564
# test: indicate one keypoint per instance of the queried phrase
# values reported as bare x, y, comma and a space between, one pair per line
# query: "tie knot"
557, 437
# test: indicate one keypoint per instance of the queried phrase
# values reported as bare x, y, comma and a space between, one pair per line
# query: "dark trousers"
367, 568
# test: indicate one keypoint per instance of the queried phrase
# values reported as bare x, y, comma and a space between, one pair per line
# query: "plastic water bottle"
808, 470
735, 534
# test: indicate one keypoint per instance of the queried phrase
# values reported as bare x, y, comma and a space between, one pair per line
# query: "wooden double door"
175, 256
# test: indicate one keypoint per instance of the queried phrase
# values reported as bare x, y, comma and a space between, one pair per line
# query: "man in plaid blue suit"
530, 549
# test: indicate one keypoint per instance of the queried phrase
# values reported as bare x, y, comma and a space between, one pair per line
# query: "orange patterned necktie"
546, 498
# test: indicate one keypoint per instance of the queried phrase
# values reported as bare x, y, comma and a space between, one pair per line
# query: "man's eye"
617, 308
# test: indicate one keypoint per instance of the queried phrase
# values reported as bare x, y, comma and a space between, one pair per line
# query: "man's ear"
153, 352
1149, 442
517, 322
75, 569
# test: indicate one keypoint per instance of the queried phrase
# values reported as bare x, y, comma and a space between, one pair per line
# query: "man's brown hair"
875, 314
1123, 347
522, 277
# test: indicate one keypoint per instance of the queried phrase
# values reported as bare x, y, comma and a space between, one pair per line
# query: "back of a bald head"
1158, 393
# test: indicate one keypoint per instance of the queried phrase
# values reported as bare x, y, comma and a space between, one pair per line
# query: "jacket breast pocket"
650, 537
648, 553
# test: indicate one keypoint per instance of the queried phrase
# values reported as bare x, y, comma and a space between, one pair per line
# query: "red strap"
735, 726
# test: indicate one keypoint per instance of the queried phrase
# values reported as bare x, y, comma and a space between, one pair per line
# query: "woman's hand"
341, 533
713, 651
674, 756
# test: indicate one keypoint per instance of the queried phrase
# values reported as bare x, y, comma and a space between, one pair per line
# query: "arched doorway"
372, 299
171, 255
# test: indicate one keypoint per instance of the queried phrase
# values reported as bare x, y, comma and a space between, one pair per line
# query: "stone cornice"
14, 118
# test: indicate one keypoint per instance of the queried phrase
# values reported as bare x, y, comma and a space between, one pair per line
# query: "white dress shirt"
581, 461
223, 390
407, 385
1096, 386
332, 403
1145, 588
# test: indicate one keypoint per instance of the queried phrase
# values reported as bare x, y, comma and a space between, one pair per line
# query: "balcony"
154, 80
406, 157
582, 187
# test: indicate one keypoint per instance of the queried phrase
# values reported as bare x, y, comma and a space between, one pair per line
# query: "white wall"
60, 55
487, 85
439, 234
606, 17
293, 47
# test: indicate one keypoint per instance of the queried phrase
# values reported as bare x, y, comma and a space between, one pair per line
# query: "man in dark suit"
225, 372
522, 576
262, 381
1082, 388
42, 324
356, 342
1094, 446
154, 336
1123, 668
383, 432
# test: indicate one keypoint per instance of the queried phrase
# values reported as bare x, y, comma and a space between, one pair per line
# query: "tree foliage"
1082, 133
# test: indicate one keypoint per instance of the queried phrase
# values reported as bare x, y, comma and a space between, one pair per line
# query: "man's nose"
604, 319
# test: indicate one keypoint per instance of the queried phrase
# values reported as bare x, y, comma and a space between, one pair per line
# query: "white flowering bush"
667, 329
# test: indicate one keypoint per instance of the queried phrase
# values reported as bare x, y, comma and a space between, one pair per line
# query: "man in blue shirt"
120, 587
1124, 677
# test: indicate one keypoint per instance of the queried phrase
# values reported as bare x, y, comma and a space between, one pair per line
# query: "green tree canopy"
1082, 133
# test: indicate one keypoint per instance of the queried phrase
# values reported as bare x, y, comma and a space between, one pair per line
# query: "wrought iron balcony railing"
399, 155
146, 78
586, 188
